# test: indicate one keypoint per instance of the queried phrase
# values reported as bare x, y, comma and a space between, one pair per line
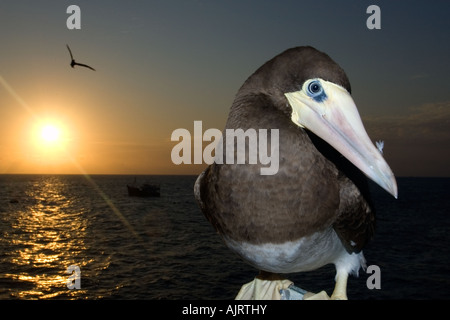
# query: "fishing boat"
144, 190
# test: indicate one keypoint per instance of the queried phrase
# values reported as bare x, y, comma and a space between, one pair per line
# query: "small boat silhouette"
145, 190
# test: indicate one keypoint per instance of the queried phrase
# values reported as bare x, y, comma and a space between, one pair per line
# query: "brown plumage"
305, 176
316, 194
316, 209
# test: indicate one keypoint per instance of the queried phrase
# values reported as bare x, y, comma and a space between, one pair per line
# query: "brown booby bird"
73, 63
316, 209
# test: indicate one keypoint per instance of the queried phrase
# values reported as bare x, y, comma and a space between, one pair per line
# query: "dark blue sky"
163, 64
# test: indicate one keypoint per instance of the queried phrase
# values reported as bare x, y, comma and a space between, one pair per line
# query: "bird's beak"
336, 120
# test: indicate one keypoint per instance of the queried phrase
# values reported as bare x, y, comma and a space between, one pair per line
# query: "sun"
50, 133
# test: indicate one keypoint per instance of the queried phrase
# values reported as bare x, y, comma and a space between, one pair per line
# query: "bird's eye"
315, 90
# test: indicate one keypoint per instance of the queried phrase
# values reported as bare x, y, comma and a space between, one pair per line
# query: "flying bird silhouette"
73, 63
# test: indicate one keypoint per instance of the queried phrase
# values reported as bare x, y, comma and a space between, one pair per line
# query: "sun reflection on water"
48, 233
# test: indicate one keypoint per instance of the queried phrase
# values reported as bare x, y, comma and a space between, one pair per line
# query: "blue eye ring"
315, 90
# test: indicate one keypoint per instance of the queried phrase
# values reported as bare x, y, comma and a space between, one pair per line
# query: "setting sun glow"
51, 147
50, 137
50, 133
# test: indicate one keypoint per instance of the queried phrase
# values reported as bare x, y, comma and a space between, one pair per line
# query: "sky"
161, 65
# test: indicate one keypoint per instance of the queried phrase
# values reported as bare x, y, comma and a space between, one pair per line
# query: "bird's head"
315, 92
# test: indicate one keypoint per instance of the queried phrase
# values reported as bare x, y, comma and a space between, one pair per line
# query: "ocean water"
163, 248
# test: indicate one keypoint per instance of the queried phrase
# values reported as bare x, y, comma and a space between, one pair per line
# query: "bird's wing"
68, 48
355, 218
84, 65
355, 224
